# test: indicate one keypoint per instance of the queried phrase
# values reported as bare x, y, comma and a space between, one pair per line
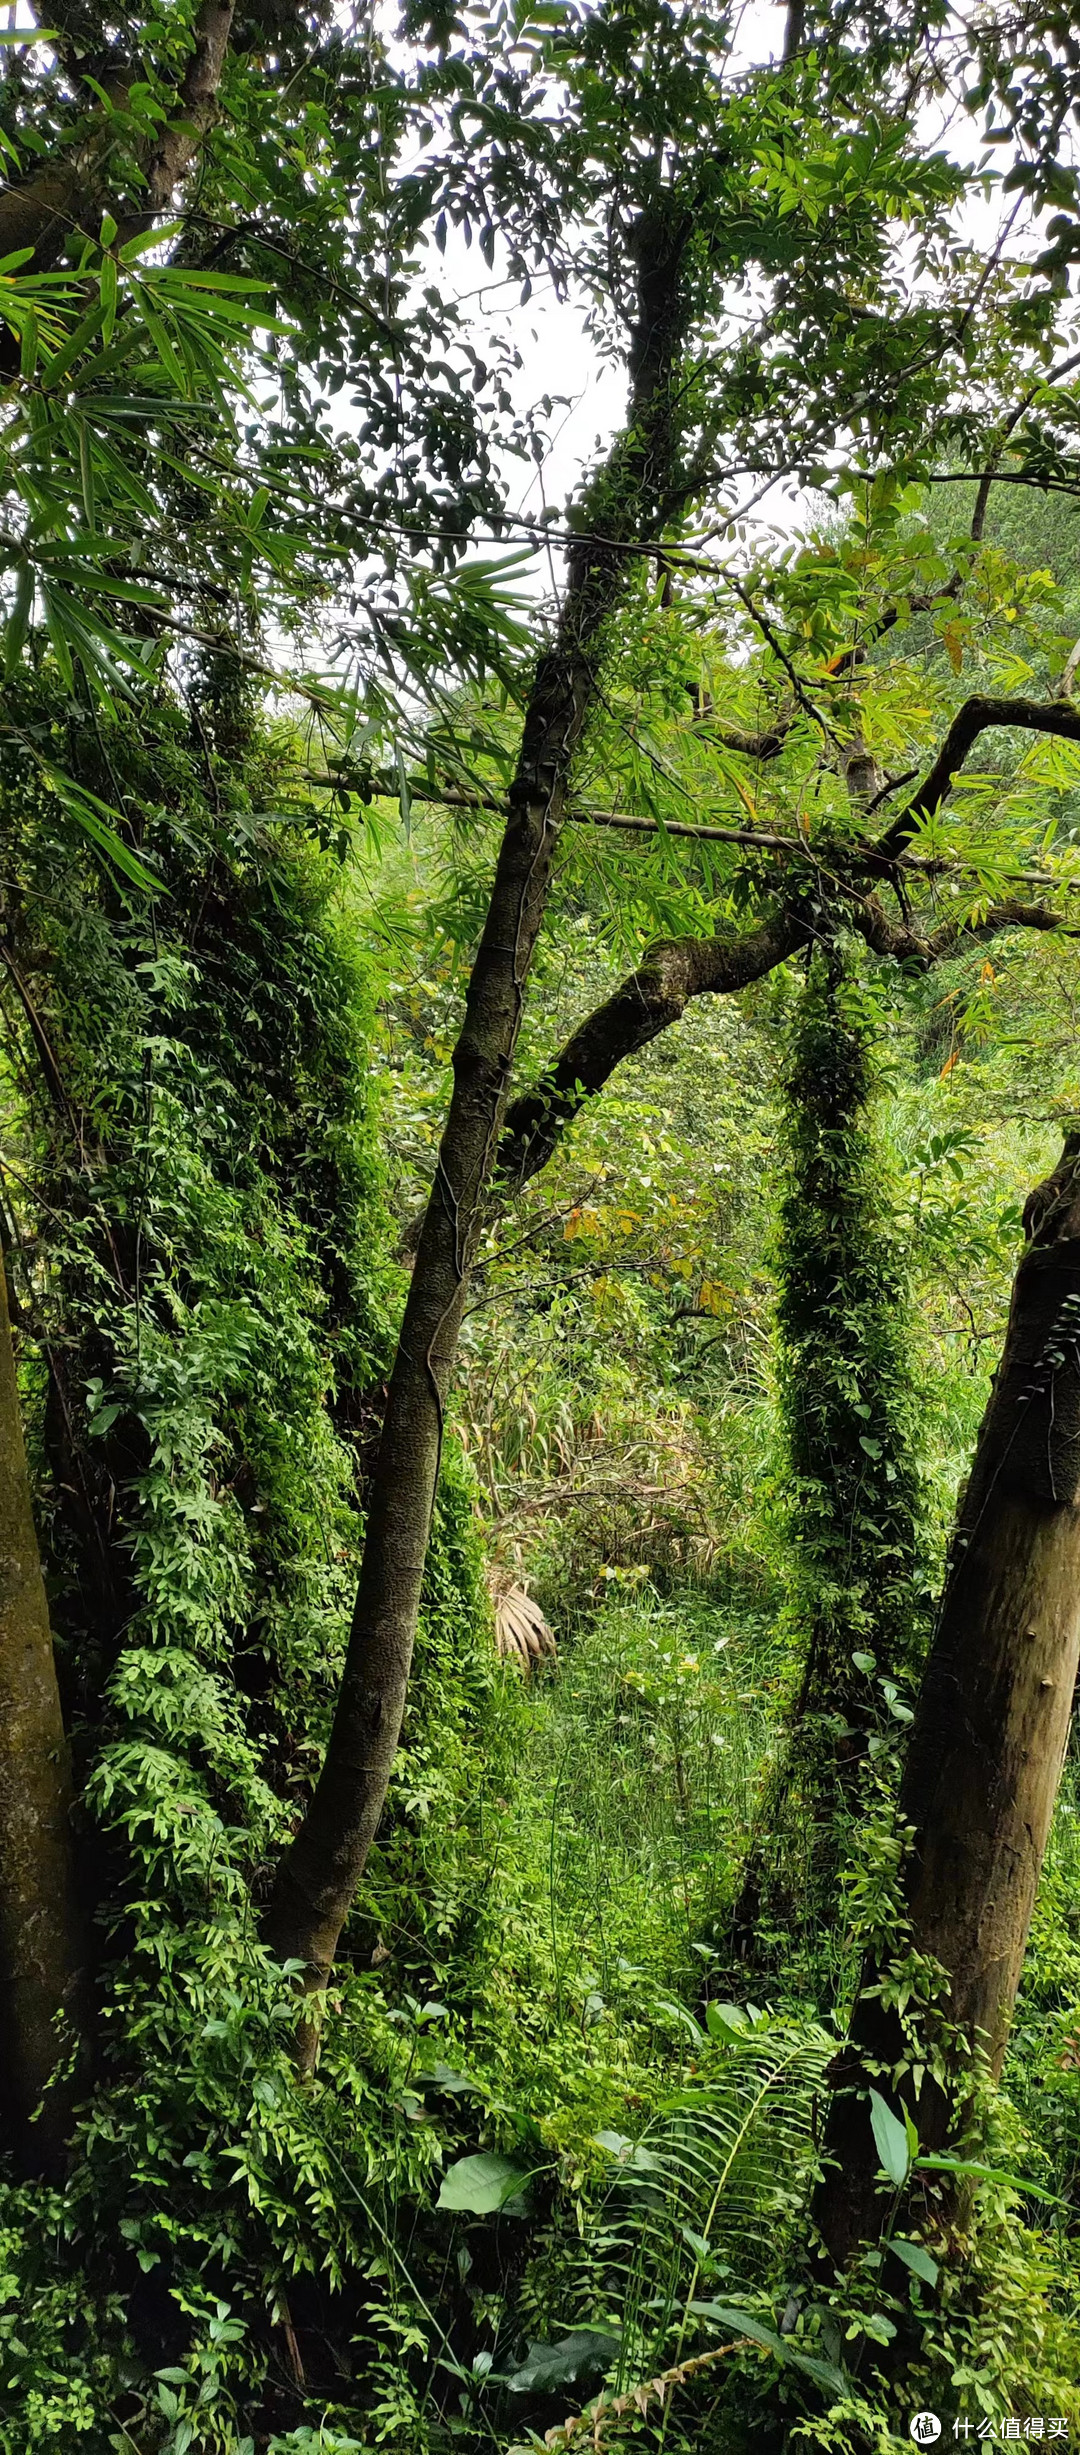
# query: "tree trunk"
858, 1583
70, 191
39, 1919
992, 1720
633, 497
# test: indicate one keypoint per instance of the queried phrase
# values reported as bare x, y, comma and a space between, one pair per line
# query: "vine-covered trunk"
992, 1719
631, 500
39, 1919
854, 1515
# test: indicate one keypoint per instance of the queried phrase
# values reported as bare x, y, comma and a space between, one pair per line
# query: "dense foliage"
707, 1212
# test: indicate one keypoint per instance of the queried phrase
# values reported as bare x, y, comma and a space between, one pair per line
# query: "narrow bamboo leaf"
29, 343
164, 348
58, 638
404, 795
100, 823
160, 236
85, 333
86, 472
107, 280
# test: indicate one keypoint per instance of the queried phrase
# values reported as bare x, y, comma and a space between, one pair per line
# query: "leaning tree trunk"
992, 1720
631, 501
39, 1921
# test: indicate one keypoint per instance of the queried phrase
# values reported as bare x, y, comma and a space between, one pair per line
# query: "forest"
540, 1219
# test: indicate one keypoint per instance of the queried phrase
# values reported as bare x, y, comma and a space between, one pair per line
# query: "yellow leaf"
715, 1297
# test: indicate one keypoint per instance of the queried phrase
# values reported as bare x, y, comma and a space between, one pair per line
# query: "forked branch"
975, 717
642, 1007
657, 994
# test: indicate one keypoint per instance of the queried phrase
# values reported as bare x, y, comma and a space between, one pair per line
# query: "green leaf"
158, 235
482, 2184
100, 823
107, 282
913, 2256
86, 471
577, 2358
971, 2170
30, 338
725, 2021
78, 341
165, 350
890, 2139
745, 2323
18, 623
678, 2011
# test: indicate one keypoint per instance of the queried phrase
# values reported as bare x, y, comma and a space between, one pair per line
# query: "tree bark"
991, 1724
70, 192
40, 1938
633, 498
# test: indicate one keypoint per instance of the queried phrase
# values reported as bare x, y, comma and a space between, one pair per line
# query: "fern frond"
711, 2186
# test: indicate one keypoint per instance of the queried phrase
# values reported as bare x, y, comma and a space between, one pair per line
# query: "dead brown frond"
522, 1634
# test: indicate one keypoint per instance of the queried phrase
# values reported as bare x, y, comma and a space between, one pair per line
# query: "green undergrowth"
555, 2136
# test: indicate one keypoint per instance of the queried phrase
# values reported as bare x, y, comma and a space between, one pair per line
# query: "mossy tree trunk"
990, 1729
39, 1916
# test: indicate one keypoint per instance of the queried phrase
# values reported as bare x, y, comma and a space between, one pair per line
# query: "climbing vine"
851, 1497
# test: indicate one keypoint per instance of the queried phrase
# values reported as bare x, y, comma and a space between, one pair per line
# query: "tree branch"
449, 797
976, 715
924, 948
1053, 376
640, 1009
764, 745
678, 969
